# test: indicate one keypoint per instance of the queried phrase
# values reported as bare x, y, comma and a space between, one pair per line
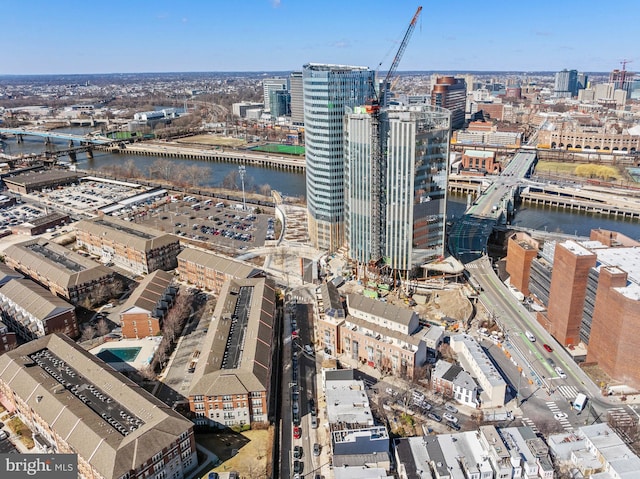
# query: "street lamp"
242, 169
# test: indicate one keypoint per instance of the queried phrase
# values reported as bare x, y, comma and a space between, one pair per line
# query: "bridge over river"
20, 132
469, 235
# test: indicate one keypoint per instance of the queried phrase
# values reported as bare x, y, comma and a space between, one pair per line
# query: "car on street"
297, 467
547, 348
213, 475
451, 408
316, 449
297, 432
450, 417
560, 372
297, 452
434, 416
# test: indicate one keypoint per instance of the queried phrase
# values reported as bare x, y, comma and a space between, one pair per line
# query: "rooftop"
34, 299
106, 418
347, 403
136, 236
236, 356
360, 303
227, 266
149, 294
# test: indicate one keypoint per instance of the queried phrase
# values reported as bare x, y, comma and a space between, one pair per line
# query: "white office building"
411, 209
328, 90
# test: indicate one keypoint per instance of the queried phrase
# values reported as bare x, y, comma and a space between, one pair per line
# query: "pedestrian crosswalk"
570, 392
529, 422
559, 416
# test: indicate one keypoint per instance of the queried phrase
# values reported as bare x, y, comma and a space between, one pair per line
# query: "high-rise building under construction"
414, 141
328, 90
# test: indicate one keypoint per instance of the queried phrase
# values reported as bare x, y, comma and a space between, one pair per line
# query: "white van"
530, 336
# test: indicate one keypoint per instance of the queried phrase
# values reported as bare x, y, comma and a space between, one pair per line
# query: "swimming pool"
119, 355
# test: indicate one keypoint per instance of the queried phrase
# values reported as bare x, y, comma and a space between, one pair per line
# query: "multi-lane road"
544, 375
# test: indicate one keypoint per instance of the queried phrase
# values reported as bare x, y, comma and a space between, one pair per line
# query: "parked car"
434, 416
316, 449
297, 452
297, 432
451, 408
450, 417
297, 467
453, 425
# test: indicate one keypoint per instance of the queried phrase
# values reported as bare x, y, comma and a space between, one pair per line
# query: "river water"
293, 184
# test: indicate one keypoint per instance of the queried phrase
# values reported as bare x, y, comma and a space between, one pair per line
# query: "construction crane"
378, 161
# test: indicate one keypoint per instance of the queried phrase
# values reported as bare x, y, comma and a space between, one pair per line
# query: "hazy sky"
108, 36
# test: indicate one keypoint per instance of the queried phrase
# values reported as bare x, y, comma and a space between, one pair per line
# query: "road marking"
570, 392
529, 422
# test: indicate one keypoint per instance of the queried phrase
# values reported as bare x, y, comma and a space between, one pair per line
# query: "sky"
115, 36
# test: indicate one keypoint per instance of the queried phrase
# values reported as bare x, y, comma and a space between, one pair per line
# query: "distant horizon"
55, 38
276, 72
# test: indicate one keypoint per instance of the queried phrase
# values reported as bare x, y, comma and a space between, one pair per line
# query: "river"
293, 184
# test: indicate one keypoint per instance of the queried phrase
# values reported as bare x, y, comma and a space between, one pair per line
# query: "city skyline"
282, 35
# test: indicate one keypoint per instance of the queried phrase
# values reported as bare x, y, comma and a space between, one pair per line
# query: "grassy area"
555, 167
278, 148
213, 140
22, 431
248, 452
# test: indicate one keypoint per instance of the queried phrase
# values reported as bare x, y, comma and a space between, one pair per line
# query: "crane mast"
378, 159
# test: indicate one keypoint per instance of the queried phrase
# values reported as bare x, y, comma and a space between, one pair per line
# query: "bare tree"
88, 332
265, 190
102, 328
231, 181
162, 169
194, 175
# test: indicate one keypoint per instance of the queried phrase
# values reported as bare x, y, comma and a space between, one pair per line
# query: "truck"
580, 402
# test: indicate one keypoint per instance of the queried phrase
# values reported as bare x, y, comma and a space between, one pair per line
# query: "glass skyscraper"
415, 145
327, 91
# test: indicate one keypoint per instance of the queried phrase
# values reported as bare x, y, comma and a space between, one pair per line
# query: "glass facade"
415, 144
327, 91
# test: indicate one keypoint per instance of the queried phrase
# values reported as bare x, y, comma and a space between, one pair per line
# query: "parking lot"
88, 195
18, 214
207, 220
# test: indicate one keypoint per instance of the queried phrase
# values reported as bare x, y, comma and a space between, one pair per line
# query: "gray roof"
331, 300
149, 292
384, 331
251, 372
111, 453
46, 219
228, 266
33, 298
378, 308
41, 178
56, 262
7, 274
136, 236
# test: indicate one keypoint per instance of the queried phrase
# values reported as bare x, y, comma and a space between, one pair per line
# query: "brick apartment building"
129, 245
31, 311
479, 162
521, 251
8, 340
74, 403
384, 336
143, 313
232, 378
63, 272
593, 297
210, 271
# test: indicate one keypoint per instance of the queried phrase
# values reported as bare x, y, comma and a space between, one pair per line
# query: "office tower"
280, 103
415, 145
582, 81
269, 85
566, 84
328, 90
451, 93
297, 101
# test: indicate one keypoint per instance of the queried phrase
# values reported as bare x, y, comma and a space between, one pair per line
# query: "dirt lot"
213, 140
253, 451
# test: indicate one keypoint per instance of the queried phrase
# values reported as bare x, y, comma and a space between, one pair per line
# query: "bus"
580, 402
